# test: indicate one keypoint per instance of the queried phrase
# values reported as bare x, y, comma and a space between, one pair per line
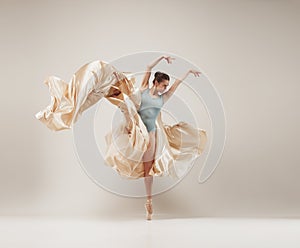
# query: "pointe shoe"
148, 206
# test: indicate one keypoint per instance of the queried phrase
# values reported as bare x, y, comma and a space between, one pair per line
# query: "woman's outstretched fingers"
195, 72
169, 59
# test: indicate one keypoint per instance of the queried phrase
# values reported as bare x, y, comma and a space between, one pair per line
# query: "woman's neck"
153, 91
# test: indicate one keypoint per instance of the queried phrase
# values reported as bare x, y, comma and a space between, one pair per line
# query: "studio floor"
162, 231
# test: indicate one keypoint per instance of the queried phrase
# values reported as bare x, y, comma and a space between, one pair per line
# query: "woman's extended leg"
148, 158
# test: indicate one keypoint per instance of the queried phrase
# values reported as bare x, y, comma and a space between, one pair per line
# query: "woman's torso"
149, 109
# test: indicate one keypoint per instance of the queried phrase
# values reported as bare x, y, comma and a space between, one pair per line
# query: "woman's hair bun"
160, 76
157, 73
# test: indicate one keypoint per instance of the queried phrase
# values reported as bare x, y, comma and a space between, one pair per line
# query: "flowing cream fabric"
176, 146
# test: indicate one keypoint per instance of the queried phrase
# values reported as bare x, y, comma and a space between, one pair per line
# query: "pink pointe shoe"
149, 210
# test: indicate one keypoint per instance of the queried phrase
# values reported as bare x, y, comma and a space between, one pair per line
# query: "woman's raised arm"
177, 82
145, 82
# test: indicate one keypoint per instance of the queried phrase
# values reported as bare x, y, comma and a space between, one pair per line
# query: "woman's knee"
147, 167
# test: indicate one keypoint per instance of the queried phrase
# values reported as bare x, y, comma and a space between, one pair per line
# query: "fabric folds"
176, 146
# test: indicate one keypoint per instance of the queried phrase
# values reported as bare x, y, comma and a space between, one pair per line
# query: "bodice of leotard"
149, 109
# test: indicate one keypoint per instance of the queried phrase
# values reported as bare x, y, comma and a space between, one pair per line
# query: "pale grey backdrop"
249, 50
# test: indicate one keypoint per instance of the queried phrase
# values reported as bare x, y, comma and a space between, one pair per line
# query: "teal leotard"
149, 109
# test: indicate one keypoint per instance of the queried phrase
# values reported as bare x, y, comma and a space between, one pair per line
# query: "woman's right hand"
169, 59
154, 63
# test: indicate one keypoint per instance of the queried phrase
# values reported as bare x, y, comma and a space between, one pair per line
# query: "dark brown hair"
160, 76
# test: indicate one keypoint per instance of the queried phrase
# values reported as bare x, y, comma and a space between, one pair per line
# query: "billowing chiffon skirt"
176, 146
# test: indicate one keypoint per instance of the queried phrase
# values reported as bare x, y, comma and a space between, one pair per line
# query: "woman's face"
162, 86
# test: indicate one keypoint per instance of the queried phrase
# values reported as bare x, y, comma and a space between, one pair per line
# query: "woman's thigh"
150, 152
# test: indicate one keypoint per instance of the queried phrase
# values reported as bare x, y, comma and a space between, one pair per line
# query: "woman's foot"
148, 206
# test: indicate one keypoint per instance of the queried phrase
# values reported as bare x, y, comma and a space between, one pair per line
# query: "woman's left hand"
195, 72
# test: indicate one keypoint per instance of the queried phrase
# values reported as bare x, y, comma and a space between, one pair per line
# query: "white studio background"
249, 50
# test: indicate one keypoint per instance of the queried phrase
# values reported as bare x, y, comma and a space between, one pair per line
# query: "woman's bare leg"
148, 158
148, 161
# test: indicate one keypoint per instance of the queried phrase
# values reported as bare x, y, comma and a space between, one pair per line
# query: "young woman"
152, 100
136, 159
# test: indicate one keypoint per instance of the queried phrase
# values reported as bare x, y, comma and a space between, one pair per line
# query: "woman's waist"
149, 113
